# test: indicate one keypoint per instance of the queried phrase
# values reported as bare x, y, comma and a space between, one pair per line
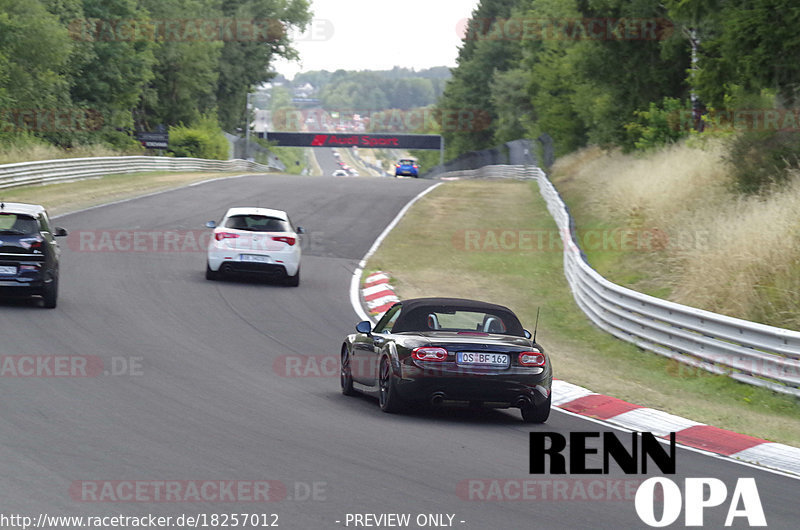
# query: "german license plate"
255, 258
482, 359
8, 270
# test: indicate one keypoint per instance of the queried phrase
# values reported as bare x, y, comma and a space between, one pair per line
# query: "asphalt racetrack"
214, 384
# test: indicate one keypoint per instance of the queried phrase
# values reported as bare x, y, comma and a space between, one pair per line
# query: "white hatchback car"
253, 240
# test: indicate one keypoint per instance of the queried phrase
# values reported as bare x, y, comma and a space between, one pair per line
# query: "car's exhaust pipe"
522, 402
437, 398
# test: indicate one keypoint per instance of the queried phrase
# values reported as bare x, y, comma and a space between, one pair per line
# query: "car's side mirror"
211, 224
527, 334
60, 232
301, 230
364, 327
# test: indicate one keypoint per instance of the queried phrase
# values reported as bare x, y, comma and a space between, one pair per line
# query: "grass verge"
295, 158
431, 253
65, 197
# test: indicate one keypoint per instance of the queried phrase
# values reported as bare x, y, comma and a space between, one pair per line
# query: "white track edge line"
355, 280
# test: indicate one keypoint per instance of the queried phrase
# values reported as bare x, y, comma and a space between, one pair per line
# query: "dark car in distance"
440, 351
29, 254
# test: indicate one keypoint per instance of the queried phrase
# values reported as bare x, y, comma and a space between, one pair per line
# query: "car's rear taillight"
219, 236
531, 358
285, 239
415, 166
428, 353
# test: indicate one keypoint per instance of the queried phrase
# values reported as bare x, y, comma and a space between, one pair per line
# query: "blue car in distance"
408, 167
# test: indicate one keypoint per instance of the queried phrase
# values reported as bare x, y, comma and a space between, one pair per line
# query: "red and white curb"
579, 400
378, 294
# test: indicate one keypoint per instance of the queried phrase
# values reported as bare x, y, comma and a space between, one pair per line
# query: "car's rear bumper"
22, 286
500, 390
260, 269
281, 263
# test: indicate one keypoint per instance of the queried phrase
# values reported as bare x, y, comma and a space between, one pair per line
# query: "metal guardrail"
487, 172
749, 352
40, 172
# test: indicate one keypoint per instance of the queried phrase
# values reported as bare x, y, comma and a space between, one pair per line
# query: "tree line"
629, 73
371, 90
92, 71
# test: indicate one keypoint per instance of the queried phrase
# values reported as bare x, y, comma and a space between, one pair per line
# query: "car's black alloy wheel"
534, 414
293, 281
50, 294
211, 275
346, 374
388, 399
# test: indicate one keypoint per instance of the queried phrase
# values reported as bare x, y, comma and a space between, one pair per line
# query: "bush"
659, 125
763, 159
203, 139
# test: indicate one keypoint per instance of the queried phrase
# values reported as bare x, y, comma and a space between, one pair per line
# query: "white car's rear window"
257, 223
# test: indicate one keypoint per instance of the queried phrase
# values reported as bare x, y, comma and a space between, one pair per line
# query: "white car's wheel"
211, 275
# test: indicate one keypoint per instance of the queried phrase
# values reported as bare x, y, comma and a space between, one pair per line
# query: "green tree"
243, 63
479, 57
756, 46
511, 101
110, 73
34, 50
185, 75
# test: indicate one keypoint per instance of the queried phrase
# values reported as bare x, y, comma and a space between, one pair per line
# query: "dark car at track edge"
440, 351
29, 254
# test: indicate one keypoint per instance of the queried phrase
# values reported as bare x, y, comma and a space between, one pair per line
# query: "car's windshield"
406, 162
257, 223
11, 223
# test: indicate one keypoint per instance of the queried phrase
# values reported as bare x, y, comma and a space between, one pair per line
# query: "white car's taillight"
285, 239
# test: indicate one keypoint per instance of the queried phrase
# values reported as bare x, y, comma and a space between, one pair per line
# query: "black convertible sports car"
448, 350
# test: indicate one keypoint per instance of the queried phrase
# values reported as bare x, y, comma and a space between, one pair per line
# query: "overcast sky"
380, 34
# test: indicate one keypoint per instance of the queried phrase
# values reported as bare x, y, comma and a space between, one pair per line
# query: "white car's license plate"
482, 359
8, 269
257, 258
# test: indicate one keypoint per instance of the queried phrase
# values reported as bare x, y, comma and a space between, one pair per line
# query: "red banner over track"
391, 141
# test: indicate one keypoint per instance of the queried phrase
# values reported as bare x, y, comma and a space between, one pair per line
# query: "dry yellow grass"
722, 252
